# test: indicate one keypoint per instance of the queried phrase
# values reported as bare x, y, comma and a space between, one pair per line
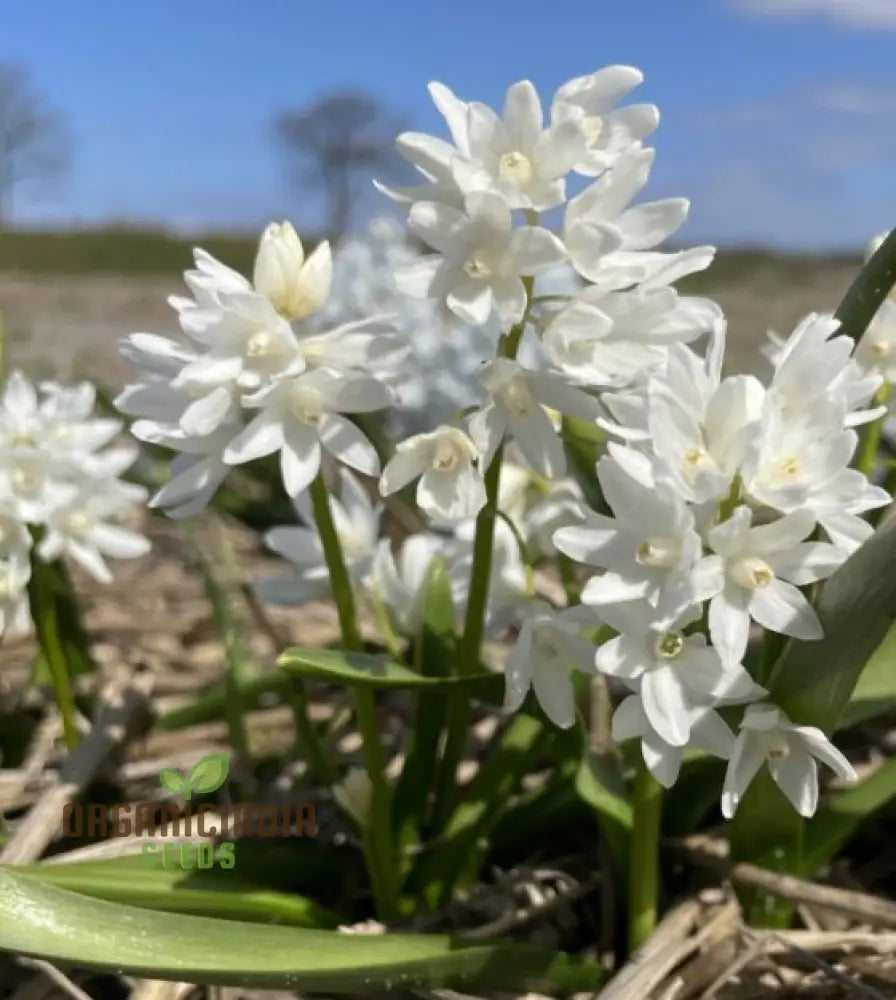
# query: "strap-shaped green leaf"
373, 671
54, 924
814, 681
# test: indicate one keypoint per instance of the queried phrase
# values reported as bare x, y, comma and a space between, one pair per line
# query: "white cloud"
874, 15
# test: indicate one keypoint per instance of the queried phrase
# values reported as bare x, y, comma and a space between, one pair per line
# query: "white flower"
876, 351
81, 528
295, 286
481, 259
451, 484
517, 407
599, 221
609, 131
707, 732
401, 583
648, 550
673, 673
611, 338
815, 362
300, 414
514, 155
549, 644
768, 736
748, 578
356, 521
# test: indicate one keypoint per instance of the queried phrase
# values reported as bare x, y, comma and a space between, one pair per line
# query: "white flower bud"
295, 286
354, 795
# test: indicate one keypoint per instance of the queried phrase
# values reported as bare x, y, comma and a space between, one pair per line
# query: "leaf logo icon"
207, 775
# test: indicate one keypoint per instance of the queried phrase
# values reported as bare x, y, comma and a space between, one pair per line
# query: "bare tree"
338, 143
34, 141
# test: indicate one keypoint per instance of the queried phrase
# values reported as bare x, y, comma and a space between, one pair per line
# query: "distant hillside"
117, 251
155, 252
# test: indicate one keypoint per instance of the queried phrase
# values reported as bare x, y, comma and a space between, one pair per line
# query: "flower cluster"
60, 488
252, 380
723, 496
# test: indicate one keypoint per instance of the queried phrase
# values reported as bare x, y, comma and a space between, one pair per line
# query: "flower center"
7, 588
790, 466
545, 645
592, 125
515, 168
25, 480
879, 349
694, 459
752, 572
517, 396
259, 344
307, 407
476, 267
445, 456
658, 551
777, 747
669, 645
78, 522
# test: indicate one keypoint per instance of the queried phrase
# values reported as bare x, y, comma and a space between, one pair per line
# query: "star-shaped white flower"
767, 736
481, 258
673, 673
518, 397
549, 643
447, 463
755, 573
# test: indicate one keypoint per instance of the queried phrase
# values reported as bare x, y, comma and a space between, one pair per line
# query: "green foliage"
51, 923
373, 670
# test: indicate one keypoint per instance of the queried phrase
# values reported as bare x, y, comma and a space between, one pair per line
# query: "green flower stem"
869, 442
474, 622
643, 872
45, 615
378, 832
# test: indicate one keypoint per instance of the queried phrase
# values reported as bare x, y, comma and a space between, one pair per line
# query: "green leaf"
599, 782
141, 880
209, 773
435, 651
843, 813
173, 781
813, 681
875, 692
376, 671
50, 923
582, 443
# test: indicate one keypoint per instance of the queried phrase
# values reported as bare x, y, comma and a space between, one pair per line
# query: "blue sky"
778, 116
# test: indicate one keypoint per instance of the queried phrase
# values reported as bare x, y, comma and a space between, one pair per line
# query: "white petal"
553, 689
534, 249
729, 625
299, 462
262, 436
663, 761
782, 608
797, 777
822, 748
344, 441
403, 467
119, 542
747, 758
664, 706
471, 300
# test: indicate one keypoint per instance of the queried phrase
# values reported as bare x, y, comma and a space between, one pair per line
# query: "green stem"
474, 621
643, 875
869, 442
45, 615
378, 832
